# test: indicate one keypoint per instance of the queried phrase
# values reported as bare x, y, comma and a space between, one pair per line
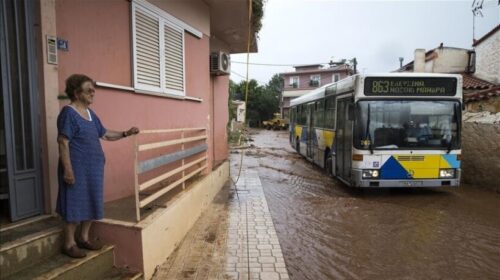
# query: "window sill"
147, 92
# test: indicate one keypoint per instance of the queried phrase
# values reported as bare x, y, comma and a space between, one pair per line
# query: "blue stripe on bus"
392, 169
452, 160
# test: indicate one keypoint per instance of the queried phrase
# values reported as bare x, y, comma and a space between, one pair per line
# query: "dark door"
19, 131
344, 140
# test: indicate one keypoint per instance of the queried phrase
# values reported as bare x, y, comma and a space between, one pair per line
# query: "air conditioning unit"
220, 63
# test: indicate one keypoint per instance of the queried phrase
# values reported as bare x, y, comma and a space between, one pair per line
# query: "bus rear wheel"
328, 164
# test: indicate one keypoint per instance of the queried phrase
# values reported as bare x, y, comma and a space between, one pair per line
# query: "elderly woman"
81, 165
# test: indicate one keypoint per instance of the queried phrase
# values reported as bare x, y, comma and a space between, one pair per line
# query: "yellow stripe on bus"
328, 135
298, 131
420, 166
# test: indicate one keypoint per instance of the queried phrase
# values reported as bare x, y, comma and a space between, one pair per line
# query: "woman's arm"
112, 135
69, 176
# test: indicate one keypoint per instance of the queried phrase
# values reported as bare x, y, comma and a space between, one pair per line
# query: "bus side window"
350, 112
329, 120
321, 113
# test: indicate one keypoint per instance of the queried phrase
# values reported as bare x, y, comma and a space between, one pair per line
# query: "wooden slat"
136, 182
148, 53
160, 178
171, 130
151, 146
163, 191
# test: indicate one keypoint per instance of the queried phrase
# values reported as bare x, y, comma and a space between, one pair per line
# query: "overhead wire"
275, 64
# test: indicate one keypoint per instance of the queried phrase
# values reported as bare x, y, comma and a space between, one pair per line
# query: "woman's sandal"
94, 246
74, 252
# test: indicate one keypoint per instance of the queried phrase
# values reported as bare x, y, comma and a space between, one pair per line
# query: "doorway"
20, 168
344, 139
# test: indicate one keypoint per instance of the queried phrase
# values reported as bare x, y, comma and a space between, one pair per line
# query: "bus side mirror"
350, 112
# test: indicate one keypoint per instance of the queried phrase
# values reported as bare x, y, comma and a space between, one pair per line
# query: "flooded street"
329, 231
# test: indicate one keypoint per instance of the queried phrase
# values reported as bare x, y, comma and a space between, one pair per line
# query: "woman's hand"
69, 177
133, 130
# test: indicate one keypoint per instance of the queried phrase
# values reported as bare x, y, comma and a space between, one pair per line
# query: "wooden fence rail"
180, 155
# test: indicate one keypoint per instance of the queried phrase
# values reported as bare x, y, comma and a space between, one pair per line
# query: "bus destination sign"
410, 86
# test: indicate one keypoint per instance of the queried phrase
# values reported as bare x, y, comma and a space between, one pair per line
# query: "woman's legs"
70, 247
83, 239
69, 234
85, 230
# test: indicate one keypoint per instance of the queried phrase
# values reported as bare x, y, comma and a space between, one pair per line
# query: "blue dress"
83, 200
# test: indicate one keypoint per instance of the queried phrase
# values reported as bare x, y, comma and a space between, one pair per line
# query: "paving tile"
269, 276
246, 244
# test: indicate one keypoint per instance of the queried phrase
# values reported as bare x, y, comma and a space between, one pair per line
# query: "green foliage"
234, 137
263, 101
257, 14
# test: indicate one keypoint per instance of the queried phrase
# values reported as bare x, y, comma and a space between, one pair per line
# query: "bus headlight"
446, 173
370, 174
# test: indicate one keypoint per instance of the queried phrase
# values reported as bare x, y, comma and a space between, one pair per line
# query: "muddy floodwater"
329, 231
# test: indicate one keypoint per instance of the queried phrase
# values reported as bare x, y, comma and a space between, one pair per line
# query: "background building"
308, 77
479, 67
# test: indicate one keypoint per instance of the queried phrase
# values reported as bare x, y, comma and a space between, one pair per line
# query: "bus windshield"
407, 124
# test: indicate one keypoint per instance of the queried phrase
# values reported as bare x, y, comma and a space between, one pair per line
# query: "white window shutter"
174, 60
147, 50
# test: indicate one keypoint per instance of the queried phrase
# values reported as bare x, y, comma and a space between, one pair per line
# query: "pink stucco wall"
99, 39
221, 117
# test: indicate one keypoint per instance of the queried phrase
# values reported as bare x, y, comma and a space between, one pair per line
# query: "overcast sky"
377, 33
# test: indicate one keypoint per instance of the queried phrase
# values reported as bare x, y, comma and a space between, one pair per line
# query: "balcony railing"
167, 161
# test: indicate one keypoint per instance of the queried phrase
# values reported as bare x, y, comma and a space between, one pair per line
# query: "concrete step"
122, 274
95, 266
26, 244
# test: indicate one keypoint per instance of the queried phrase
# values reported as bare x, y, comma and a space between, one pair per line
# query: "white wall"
240, 113
488, 59
450, 60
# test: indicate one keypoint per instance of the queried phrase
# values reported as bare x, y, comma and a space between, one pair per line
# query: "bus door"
344, 138
310, 130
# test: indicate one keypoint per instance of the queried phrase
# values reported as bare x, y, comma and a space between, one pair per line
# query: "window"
329, 120
319, 114
301, 117
335, 77
158, 49
315, 81
294, 82
407, 124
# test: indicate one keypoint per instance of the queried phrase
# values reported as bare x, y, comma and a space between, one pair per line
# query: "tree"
262, 101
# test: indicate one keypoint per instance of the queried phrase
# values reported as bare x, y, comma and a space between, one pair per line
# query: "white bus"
383, 130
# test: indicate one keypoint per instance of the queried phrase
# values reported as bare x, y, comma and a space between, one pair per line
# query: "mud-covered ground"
329, 231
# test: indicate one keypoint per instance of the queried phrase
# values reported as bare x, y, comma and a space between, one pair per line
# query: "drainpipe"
471, 62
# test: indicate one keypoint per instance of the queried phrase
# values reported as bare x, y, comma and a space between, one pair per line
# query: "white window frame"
319, 78
335, 75
298, 81
164, 19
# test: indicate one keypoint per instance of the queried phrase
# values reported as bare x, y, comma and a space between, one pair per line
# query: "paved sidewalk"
254, 250
234, 239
